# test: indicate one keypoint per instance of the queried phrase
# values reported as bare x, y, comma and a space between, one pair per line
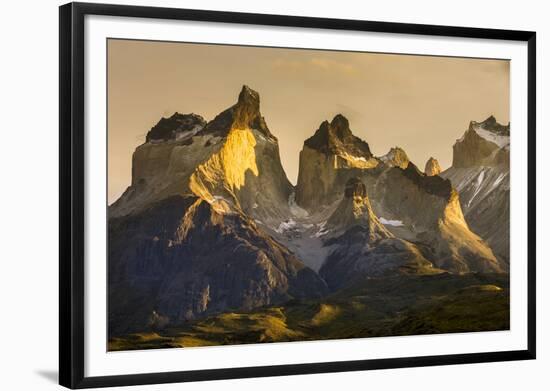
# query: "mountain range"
210, 223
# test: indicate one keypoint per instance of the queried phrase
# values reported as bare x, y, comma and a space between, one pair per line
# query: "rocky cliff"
396, 157
331, 150
181, 259
482, 144
483, 182
361, 246
211, 224
183, 241
414, 207
232, 160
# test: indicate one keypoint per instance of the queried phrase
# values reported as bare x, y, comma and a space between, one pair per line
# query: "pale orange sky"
419, 103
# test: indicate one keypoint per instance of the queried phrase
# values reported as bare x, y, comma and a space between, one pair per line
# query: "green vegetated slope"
374, 307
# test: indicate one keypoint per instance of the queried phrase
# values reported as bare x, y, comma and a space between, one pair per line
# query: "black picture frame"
71, 190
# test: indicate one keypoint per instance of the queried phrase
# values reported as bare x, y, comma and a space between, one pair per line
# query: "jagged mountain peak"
396, 157
175, 127
434, 185
362, 245
340, 125
332, 148
355, 210
483, 144
245, 114
219, 162
432, 167
247, 110
492, 125
336, 137
248, 94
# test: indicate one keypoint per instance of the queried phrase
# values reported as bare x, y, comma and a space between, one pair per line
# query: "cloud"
316, 64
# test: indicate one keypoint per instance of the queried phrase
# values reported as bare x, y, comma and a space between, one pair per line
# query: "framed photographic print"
249, 195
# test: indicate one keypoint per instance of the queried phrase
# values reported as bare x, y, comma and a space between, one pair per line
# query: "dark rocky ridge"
333, 148
335, 136
431, 184
180, 260
169, 128
492, 125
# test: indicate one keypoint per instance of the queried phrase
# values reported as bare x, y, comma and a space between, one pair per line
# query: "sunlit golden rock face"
426, 208
432, 167
396, 157
481, 175
465, 250
231, 162
430, 211
225, 171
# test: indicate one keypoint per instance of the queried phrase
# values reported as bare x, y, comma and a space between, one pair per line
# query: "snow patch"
497, 139
259, 134
358, 161
285, 226
394, 223
322, 230
478, 184
498, 180
188, 133
294, 208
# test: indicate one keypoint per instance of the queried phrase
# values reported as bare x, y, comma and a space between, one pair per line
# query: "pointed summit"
245, 114
232, 163
432, 167
340, 126
331, 149
247, 110
361, 245
491, 125
336, 137
483, 144
355, 209
490, 121
396, 157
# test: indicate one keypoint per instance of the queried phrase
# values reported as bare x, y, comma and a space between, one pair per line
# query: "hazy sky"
420, 103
